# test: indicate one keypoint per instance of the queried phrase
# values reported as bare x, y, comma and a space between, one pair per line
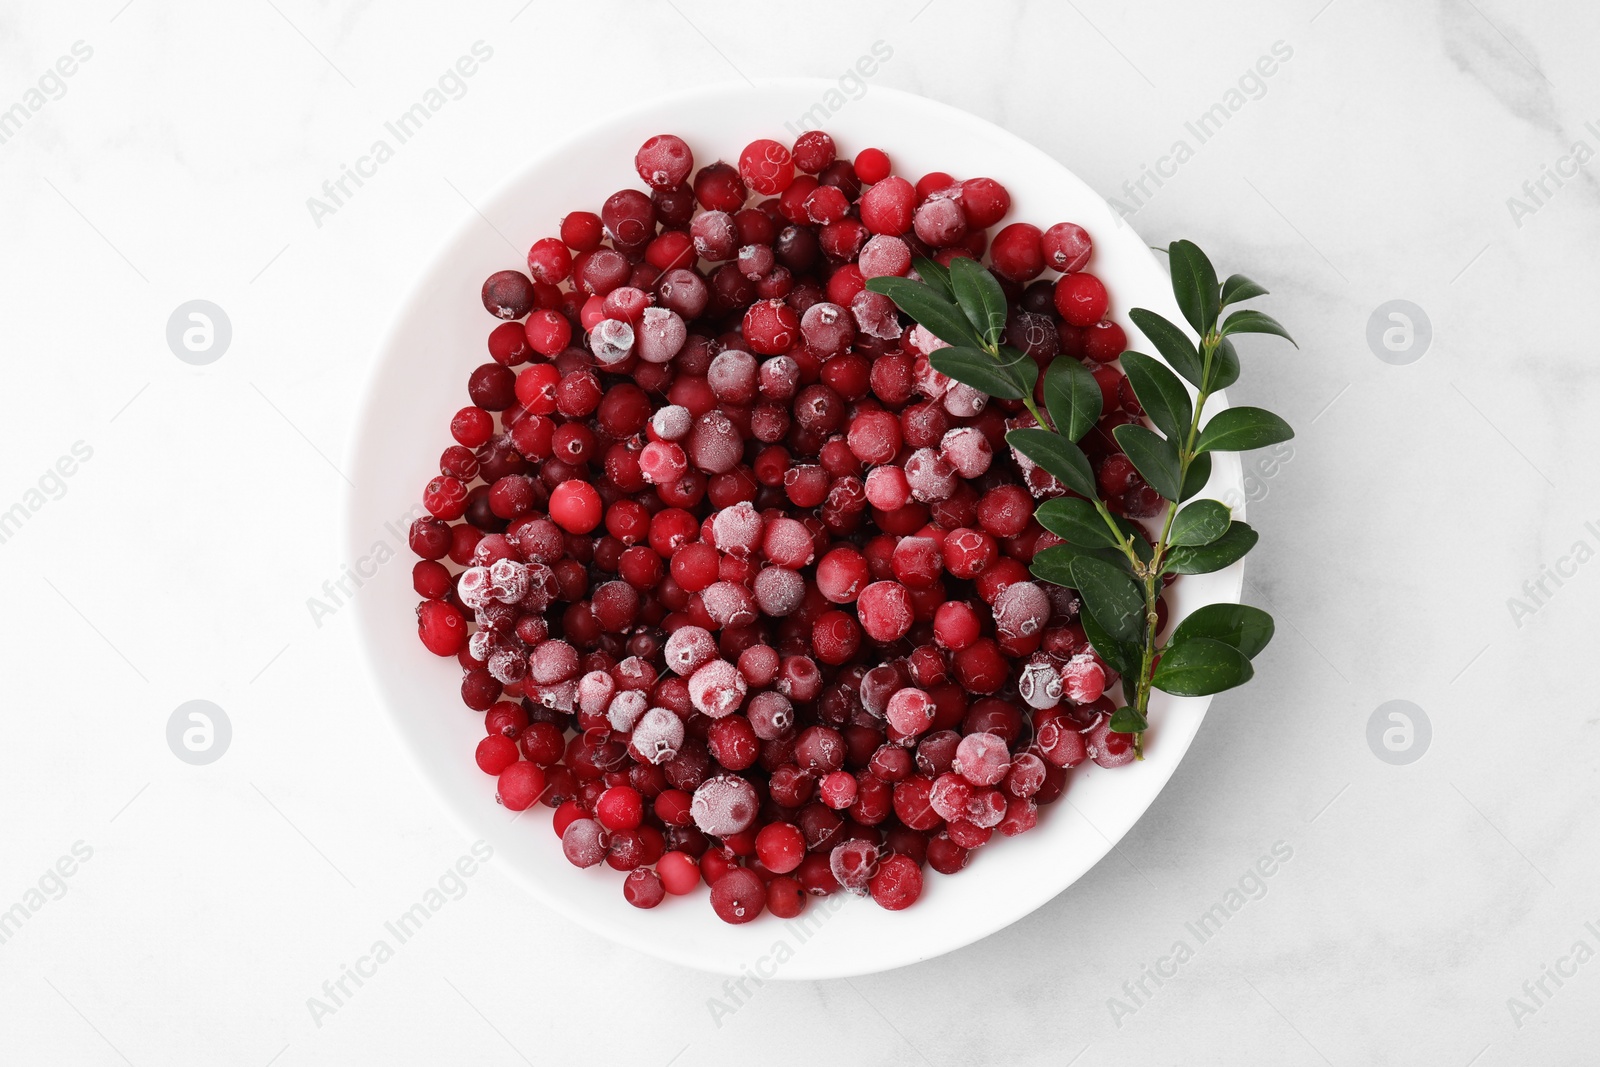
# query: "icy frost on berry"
661, 335
737, 529
930, 477
1021, 610
626, 708
724, 805
611, 341
717, 688
963, 401
1039, 683
967, 450
595, 691
688, 648
508, 581
672, 423
658, 735
473, 587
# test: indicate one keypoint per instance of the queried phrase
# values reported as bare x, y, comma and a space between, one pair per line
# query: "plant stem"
1152, 577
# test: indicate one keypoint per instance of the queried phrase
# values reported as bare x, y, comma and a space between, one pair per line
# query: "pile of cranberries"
741, 583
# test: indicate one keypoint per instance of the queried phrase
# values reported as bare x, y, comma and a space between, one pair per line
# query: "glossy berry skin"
1081, 299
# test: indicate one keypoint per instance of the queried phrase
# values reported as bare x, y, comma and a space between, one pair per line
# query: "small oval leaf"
1077, 520
935, 275
1238, 288
1246, 628
979, 295
1170, 340
1154, 457
1248, 321
1123, 656
1111, 596
1241, 429
1160, 393
1057, 455
1126, 720
979, 370
1054, 564
1197, 477
1072, 397
1224, 366
1199, 667
1194, 283
1200, 523
924, 304
1223, 552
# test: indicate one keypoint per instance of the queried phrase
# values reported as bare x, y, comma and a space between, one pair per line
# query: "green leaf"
1127, 720
1160, 393
1022, 365
979, 295
1076, 520
1241, 429
1248, 321
1224, 366
1054, 564
1057, 455
1111, 596
1155, 458
936, 275
1170, 340
1200, 523
1123, 656
979, 370
1197, 477
1194, 283
1223, 552
1238, 288
924, 304
1072, 397
1201, 666
1246, 628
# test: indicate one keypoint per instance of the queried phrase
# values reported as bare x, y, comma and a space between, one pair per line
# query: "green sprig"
1117, 572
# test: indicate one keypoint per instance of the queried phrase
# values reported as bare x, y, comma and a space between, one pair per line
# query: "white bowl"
419, 381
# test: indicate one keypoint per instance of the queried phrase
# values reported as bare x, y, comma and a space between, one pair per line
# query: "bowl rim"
351, 532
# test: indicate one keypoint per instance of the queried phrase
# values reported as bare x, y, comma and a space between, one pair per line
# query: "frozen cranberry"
771, 327
664, 161
897, 883
939, 222
886, 611
872, 165
1104, 342
678, 872
548, 332
1066, 247
1016, 252
575, 506
508, 294
581, 231
887, 208
781, 847
786, 897
738, 896
520, 785
766, 167
813, 150
1081, 299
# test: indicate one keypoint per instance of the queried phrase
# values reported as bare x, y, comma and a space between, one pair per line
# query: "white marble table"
1422, 908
